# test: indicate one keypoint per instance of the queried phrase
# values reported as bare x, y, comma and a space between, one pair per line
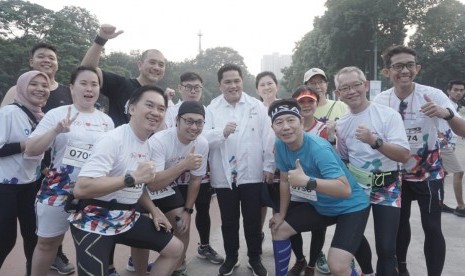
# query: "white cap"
312, 72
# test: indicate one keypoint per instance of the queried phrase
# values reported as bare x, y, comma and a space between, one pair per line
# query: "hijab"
23, 98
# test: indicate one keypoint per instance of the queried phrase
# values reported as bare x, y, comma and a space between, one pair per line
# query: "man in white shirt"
241, 158
456, 91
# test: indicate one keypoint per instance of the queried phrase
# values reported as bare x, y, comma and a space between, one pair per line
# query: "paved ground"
453, 228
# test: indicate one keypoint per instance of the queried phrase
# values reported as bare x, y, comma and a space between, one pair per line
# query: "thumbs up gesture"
431, 109
297, 177
193, 160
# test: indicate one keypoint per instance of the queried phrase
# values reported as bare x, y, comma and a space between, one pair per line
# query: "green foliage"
348, 31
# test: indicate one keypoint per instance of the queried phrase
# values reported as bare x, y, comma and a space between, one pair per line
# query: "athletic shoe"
62, 265
309, 271
447, 209
459, 212
130, 266
207, 252
228, 266
257, 268
321, 264
298, 267
180, 272
112, 272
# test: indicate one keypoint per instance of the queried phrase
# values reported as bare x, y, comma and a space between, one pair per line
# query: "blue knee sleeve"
282, 255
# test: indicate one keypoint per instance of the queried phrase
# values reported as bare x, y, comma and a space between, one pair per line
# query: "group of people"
134, 176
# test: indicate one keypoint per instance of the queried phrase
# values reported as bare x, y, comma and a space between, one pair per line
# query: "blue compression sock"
282, 255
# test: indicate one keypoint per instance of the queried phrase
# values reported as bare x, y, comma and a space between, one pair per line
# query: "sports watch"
129, 180
378, 143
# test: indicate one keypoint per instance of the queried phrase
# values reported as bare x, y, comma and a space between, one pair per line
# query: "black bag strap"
32, 119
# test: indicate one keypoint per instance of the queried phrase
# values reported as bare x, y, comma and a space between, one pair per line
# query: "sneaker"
130, 266
447, 209
180, 272
321, 264
207, 252
298, 267
228, 266
459, 212
257, 268
309, 271
62, 265
112, 272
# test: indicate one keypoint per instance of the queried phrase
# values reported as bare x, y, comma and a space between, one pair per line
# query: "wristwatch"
129, 180
378, 143
451, 114
188, 210
311, 184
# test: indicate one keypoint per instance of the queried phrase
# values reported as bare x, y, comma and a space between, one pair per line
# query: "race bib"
304, 193
415, 138
165, 192
77, 154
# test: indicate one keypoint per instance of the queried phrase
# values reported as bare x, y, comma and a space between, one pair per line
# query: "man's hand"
364, 134
275, 221
268, 177
229, 129
184, 223
431, 109
297, 177
145, 172
193, 160
107, 31
170, 93
160, 220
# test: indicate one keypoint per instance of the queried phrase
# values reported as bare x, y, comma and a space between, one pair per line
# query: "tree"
348, 31
440, 47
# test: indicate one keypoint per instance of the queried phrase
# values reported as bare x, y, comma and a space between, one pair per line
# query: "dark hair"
190, 76
302, 88
289, 102
228, 67
394, 50
81, 69
136, 95
455, 82
264, 74
42, 45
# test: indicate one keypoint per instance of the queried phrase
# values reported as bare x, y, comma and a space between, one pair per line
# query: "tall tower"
199, 34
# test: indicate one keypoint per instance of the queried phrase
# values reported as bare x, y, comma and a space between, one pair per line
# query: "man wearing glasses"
190, 88
425, 111
241, 159
327, 109
180, 155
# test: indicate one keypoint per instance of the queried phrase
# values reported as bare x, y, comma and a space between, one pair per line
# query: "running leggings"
17, 203
316, 245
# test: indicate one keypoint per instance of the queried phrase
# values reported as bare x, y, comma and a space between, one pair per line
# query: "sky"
251, 27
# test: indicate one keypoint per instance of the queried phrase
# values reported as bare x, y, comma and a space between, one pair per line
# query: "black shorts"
171, 202
303, 217
204, 196
429, 194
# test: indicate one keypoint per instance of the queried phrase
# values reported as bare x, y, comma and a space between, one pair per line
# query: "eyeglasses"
319, 83
189, 87
400, 66
402, 107
190, 122
347, 88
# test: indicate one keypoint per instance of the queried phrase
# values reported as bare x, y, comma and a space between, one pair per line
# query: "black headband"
285, 109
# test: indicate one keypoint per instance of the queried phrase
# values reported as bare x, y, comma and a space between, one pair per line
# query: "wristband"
100, 40
451, 114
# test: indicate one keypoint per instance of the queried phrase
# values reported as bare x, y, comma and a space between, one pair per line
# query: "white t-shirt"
171, 113
17, 168
421, 130
168, 151
383, 122
115, 154
72, 149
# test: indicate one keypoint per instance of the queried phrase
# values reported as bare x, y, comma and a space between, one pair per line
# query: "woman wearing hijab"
18, 171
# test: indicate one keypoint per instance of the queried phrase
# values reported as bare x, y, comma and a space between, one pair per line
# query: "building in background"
275, 63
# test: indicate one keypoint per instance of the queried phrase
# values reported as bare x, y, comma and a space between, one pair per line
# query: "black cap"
191, 107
